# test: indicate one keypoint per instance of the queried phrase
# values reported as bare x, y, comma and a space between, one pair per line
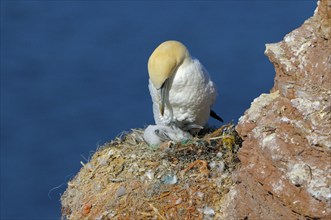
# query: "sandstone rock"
286, 153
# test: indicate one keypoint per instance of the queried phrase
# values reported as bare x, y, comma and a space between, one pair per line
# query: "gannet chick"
154, 135
180, 87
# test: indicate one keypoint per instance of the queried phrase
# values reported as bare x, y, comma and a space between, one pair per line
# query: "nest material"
126, 179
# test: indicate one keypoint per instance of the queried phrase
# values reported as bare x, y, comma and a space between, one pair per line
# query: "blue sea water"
74, 75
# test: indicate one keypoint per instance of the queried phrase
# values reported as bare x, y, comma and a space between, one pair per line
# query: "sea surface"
74, 76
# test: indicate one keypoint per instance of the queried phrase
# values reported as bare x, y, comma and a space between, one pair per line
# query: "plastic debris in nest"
127, 179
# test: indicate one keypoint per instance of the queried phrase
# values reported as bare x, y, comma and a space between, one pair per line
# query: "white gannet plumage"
181, 89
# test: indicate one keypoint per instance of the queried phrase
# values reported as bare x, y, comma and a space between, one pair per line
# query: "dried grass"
126, 179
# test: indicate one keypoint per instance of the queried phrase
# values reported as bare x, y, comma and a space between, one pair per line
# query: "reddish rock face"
286, 153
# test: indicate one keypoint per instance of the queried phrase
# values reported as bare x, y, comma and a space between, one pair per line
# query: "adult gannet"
180, 87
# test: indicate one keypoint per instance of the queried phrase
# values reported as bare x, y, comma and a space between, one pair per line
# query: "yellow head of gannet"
163, 63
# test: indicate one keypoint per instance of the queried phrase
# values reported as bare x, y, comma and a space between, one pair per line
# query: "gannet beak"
164, 96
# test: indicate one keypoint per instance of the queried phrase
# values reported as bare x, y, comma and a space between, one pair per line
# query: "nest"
127, 179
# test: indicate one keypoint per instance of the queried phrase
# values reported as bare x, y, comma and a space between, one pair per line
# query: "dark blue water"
74, 75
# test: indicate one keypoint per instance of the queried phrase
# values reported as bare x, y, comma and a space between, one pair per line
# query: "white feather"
191, 95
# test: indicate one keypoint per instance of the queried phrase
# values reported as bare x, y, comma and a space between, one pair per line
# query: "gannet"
181, 89
156, 134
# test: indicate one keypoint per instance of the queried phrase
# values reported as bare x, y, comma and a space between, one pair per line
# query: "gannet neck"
165, 60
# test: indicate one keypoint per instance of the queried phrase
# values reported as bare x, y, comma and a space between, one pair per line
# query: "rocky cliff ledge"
286, 153
285, 157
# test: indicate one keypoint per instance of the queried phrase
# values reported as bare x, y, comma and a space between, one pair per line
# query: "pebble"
169, 179
121, 191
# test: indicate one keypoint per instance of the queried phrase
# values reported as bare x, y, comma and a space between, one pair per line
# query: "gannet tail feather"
214, 115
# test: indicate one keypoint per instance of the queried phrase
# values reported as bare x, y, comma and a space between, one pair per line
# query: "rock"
286, 153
